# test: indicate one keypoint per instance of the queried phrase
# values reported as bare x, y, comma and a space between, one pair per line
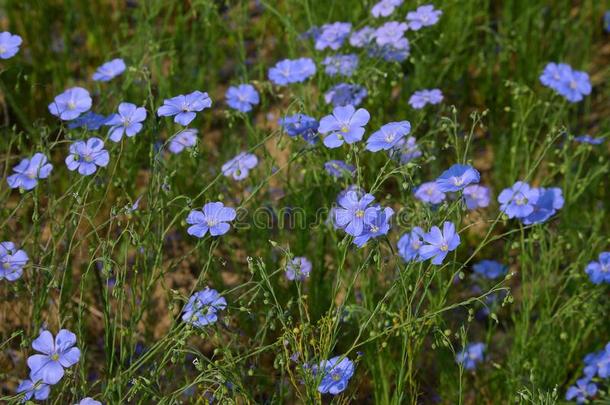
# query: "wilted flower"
213, 218
186, 138
472, 354
184, 107
86, 156
71, 103
298, 268
421, 98
57, 354
346, 124
109, 70
12, 261
128, 121
29, 171
292, 71
202, 307
240, 166
9, 44
438, 243
388, 136
242, 98
423, 16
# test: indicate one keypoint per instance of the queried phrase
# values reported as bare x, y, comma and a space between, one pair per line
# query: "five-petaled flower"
9, 44
388, 136
202, 307
457, 177
187, 138
87, 156
438, 244
57, 354
239, 167
29, 171
184, 107
39, 390
410, 243
599, 272
350, 215
71, 103
109, 70
127, 121
472, 354
336, 373
518, 201
213, 218
298, 268
12, 261
242, 98
346, 124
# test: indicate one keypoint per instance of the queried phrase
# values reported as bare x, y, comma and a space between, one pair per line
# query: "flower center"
359, 214
389, 138
458, 181
444, 247
185, 107
336, 376
88, 158
429, 191
374, 228
71, 105
55, 357
573, 85
521, 201
344, 129
211, 222
6, 265
2, 49
416, 245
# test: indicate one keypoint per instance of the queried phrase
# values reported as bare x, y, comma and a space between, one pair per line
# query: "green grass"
401, 323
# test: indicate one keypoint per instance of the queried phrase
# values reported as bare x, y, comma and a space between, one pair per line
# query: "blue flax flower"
57, 354
338, 168
344, 94
298, 268
332, 35
109, 70
12, 261
87, 156
350, 215
390, 33
591, 140
39, 390
423, 16
429, 193
599, 272
89, 401
518, 201
300, 124
377, 223
607, 21
29, 171
549, 201
89, 121
410, 243
127, 121
457, 177
242, 98
344, 65
476, 196
472, 354
346, 124
240, 166
438, 244
336, 374
405, 150
71, 103
213, 218
363, 37
9, 44
421, 98
489, 269
572, 84
290, 71
598, 363
582, 390
202, 307
184, 107
385, 7
186, 138
388, 136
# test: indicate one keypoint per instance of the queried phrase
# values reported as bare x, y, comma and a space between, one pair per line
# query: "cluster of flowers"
530, 205
571, 84
597, 367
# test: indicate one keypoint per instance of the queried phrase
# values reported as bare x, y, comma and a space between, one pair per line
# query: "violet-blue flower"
336, 373
346, 124
57, 354
410, 243
338, 168
9, 44
298, 268
429, 193
489, 269
344, 65
572, 84
405, 150
333, 35
213, 218
109, 70
421, 98
242, 98
438, 244
476, 196
12, 261
89, 401
377, 223
599, 272
203, 306
384, 8
582, 390
390, 33
184, 107
240, 166
292, 71
300, 124
87, 156
29, 171
472, 354
518, 201
39, 390
344, 94
388, 136
187, 138
127, 121
423, 16
362, 37
89, 121
457, 177
350, 215
550, 200
71, 103
591, 140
